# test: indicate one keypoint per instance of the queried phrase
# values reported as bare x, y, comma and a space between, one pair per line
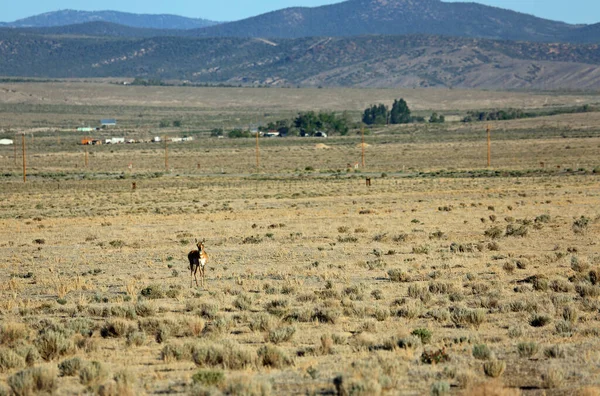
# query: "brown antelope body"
198, 259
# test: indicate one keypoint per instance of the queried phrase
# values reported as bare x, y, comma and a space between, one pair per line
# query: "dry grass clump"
246, 385
117, 328
92, 374
553, 378
10, 360
282, 334
494, 368
70, 367
36, 380
53, 344
272, 356
228, 355
527, 349
398, 275
11, 333
465, 317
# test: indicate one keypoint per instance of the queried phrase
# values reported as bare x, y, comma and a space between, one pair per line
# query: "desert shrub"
564, 328
509, 267
247, 386
411, 310
262, 322
10, 360
53, 344
381, 314
116, 328
136, 338
11, 333
516, 231
560, 286
539, 320
277, 307
440, 288
482, 352
325, 315
424, 334
440, 388
92, 374
581, 224
327, 342
464, 317
209, 310
83, 326
421, 249
494, 368
554, 352
586, 290
70, 367
359, 386
347, 239
282, 334
494, 232
401, 343
570, 314
153, 292
377, 294
228, 356
271, 356
422, 293
354, 293
170, 353
209, 377
243, 302
552, 378
515, 332
35, 380
144, 309
402, 237
527, 349
439, 314
435, 356
397, 275
217, 327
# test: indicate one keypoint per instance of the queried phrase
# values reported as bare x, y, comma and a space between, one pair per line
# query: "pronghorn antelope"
198, 259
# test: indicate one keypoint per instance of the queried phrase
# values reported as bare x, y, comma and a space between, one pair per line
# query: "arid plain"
443, 277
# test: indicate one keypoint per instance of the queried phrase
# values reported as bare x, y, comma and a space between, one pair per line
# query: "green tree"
400, 113
437, 119
376, 115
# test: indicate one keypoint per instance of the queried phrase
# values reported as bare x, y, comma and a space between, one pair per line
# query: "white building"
6, 142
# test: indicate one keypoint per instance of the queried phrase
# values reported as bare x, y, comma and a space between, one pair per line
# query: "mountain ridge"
71, 17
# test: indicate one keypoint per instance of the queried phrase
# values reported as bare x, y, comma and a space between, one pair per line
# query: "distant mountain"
101, 29
72, 17
394, 17
584, 34
366, 61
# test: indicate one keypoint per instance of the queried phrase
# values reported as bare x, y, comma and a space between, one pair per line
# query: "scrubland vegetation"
443, 277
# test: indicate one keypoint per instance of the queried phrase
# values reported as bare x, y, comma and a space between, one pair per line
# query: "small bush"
282, 334
10, 360
397, 275
116, 328
539, 320
229, 356
153, 292
513, 230
581, 224
247, 386
12, 333
482, 352
553, 378
494, 368
92, 374
70, 367
36, 380
271, 356
435, 356
554, 352
144, 309
421, 249
564, 328
527, 349
262, 322
440, 388
424, 334
136, 338
463, 317
243, 302
494, 233
209, 377
54, 344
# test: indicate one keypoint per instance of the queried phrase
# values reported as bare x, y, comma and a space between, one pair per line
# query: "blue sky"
572, 11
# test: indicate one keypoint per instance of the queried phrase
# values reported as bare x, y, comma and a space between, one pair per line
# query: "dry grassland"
442, 278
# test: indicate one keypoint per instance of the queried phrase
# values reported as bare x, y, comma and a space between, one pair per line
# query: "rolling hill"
367, 61
394, 17
73, 17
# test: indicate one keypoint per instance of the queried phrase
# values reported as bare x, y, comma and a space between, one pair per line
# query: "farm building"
114, 140
108, 122
85, 129
6, 142
91, 141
